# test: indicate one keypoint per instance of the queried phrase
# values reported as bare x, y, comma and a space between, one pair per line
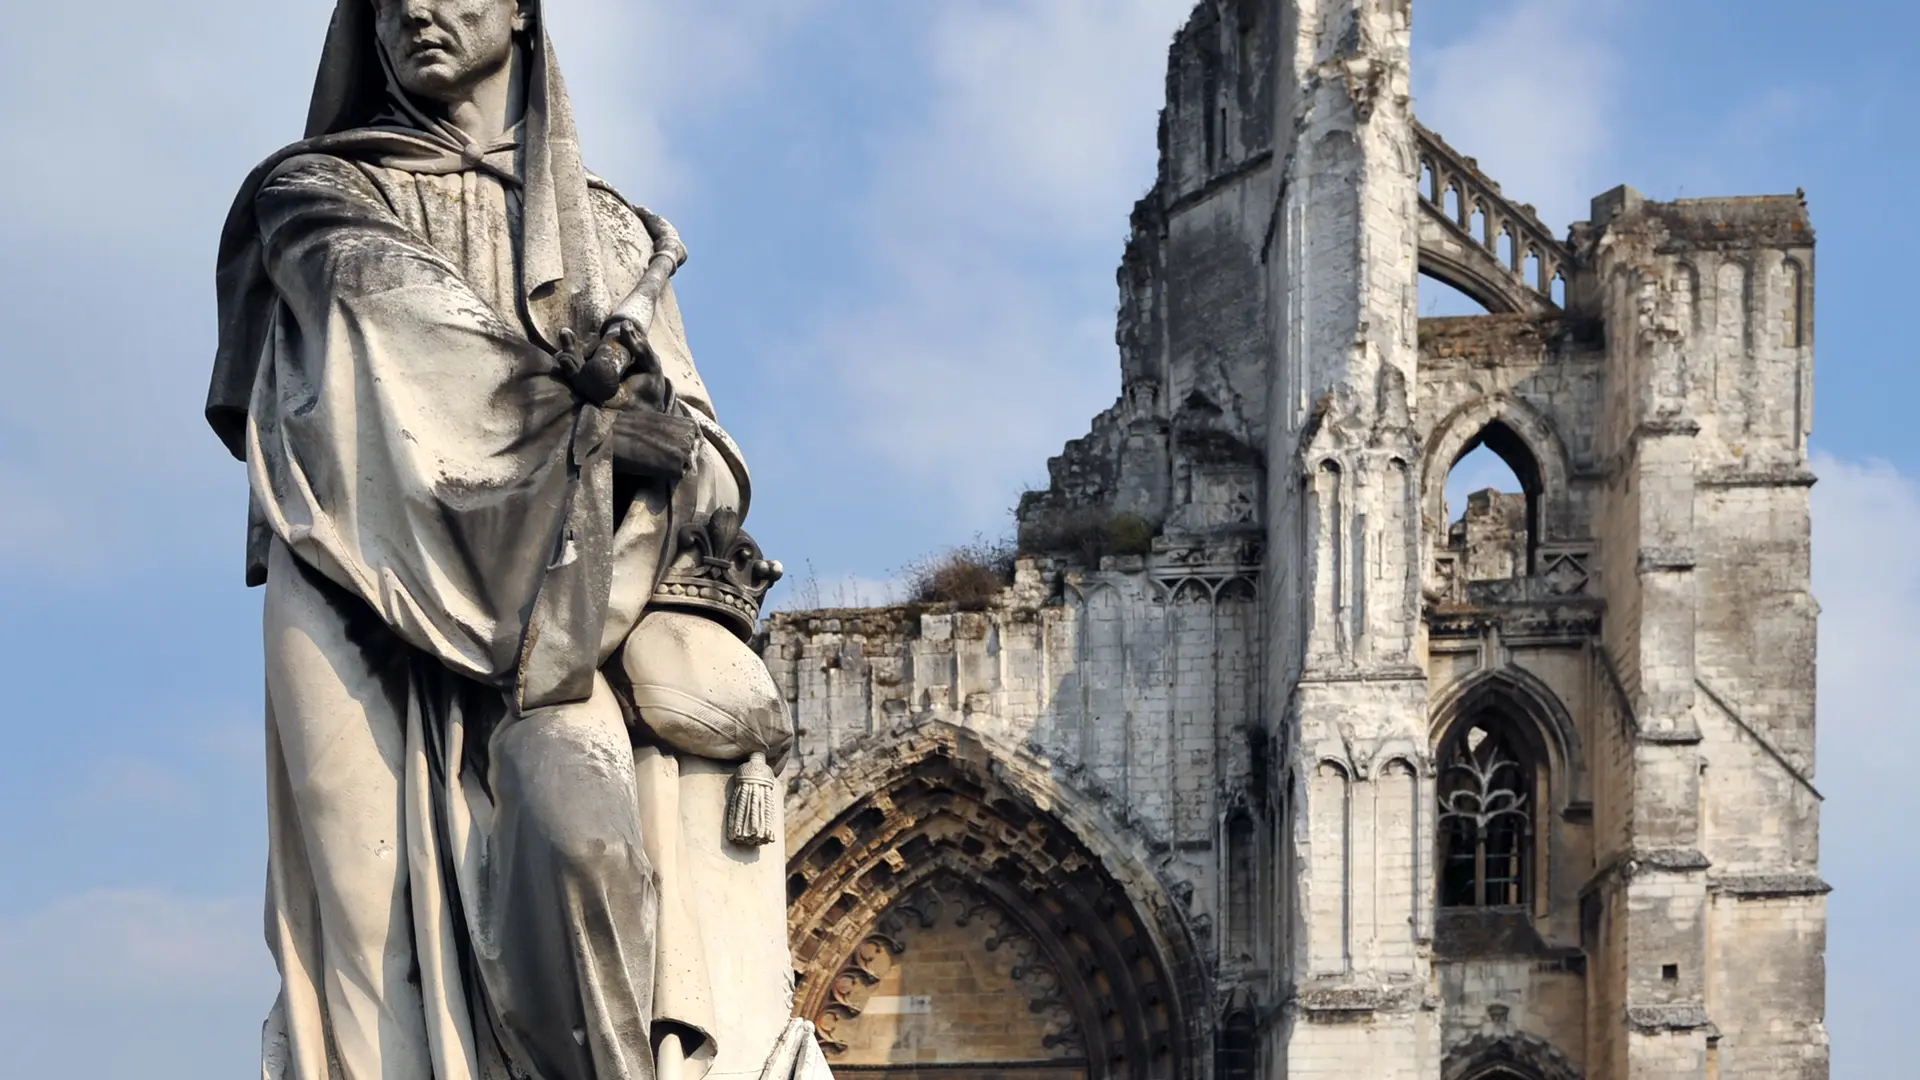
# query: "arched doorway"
944, 924
1516, 1056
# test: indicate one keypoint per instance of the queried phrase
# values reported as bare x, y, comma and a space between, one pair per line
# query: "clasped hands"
620, 374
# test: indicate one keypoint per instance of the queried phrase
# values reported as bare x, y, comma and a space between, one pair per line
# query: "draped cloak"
449, 547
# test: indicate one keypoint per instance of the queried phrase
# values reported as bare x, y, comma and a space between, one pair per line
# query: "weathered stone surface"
1249, 711
519, 751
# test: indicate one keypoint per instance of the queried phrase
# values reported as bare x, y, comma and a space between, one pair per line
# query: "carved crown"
718, 570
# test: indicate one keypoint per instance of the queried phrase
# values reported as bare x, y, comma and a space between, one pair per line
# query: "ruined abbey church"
1267, 764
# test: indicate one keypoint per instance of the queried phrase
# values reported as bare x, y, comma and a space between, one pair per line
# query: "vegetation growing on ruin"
968, 576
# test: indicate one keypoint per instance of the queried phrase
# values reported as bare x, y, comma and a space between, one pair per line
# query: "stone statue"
521, 796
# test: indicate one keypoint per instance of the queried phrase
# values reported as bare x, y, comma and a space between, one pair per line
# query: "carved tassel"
750, 804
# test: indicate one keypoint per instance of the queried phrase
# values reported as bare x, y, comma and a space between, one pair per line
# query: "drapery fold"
460, 879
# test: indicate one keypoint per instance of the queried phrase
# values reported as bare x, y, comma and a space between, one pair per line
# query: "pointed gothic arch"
1507, 755
1515, 1056
1519, 693
1524, 438
938, 804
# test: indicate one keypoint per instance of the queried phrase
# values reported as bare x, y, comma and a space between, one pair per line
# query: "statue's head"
441, 49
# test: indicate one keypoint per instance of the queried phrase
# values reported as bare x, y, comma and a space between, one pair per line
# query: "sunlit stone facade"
1264, 764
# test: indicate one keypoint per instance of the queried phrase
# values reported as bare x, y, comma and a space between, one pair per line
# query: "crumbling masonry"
1262, 766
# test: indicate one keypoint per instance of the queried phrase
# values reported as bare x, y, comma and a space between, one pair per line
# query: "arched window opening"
1686, 298
1429, 182
1508, 252
1236, 1054
1730, 300
1451, 200
1793, 333
1531, 272
1559, 291
1242, 887
1477, 226
1441, 300
1487, 808
1493, 505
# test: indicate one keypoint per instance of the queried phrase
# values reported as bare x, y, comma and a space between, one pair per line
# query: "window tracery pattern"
1486, 821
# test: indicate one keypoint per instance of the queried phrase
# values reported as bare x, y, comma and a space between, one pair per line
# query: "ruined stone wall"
1181, 449
1207, 746
1710, 335
1130, 691
1137, 683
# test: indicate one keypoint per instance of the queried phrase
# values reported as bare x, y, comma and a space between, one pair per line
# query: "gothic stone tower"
1263, 767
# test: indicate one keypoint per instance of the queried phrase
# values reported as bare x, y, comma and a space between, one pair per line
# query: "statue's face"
440, 49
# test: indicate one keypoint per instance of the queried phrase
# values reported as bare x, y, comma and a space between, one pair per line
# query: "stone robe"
474, 873
453, 884
468, 855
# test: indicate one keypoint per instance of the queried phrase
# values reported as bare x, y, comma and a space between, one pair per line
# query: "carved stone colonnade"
954, 898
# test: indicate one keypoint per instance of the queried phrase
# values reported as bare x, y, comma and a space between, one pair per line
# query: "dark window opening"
1486, 820
1236, 1055
1242, 885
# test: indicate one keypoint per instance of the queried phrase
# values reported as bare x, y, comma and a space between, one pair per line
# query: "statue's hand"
653, 444
645, 391
614, 371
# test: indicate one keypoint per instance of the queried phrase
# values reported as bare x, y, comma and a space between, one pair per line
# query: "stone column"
1346, 697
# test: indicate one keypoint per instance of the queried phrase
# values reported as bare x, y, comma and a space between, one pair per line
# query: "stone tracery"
1476, 239
949, 842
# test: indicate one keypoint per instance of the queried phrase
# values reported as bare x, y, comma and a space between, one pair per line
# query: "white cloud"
164, 113
635, 66
993, 224
113, 188
135, 984
1043, 119
136, 110
1867, 579
1498, 95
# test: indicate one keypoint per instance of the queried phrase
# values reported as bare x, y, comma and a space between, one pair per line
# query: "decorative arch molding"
1463, 428
1518, 1054
1329, 755
940, 800
1476, 239
1521, 696
1400, 751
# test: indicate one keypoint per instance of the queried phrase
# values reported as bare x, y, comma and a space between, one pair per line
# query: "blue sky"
904, 221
